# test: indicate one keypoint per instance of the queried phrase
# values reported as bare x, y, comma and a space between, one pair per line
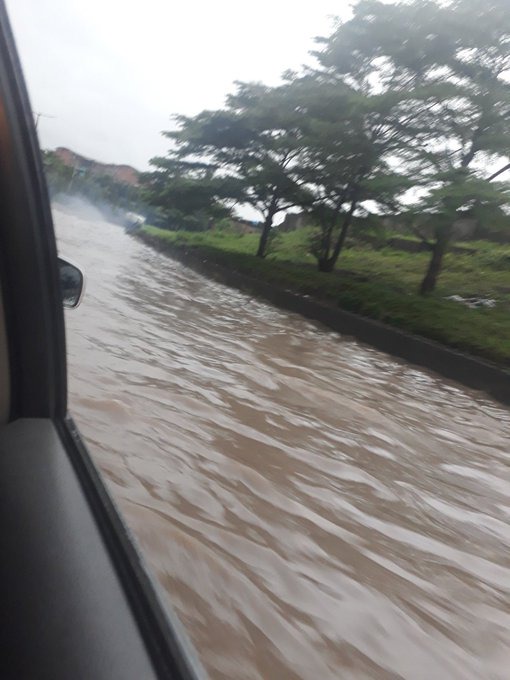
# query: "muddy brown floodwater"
312, 507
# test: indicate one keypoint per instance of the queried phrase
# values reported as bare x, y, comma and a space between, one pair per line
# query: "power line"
38, 115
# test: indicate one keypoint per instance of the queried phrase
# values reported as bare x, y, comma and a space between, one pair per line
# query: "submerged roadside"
436, 334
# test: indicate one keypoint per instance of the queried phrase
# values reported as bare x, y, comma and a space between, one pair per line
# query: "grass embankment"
381, 284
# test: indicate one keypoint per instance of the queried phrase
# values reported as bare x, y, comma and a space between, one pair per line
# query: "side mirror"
71, 283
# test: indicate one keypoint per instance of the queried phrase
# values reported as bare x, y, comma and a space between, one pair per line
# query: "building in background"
124, 174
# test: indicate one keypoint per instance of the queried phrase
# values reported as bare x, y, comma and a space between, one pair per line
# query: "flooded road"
313, 508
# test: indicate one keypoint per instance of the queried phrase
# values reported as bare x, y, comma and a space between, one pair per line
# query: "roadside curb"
449, 363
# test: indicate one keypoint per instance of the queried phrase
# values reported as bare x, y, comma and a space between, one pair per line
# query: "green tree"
366, 119
346, 161
58, 175
454, 60
250, 148
186, 194
473, 140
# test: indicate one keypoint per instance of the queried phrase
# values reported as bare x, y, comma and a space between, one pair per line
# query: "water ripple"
313, 508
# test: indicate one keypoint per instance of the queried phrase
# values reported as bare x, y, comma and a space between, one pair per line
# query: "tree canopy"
407, 107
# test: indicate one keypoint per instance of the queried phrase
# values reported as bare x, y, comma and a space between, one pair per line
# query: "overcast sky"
113, 71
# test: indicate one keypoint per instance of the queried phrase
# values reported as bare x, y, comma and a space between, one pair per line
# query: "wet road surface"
313, 507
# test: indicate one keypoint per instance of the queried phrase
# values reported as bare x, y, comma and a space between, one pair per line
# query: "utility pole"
38, 115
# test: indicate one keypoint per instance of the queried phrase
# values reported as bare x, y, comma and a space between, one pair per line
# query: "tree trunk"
434, 269
266, 230
327, 263
343, 232
325, 244
327, 227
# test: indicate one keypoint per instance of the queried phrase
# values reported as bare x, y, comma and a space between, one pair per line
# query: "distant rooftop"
120, 173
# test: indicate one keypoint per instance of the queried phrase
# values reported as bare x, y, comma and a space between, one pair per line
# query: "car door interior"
76, 599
